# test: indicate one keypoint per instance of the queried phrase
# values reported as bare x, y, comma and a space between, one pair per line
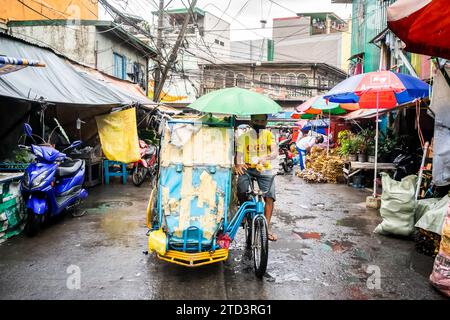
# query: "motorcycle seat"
69, 167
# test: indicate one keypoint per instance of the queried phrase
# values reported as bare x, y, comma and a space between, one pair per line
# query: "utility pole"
157, 78
173, 54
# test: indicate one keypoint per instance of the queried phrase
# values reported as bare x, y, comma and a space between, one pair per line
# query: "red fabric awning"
423, 25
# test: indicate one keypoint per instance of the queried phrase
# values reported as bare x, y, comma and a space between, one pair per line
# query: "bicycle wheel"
139, 174
260, 246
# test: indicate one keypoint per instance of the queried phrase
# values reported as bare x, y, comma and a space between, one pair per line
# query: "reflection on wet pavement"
325, 250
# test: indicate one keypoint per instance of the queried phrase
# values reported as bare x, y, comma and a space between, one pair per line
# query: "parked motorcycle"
52, 184
286, 156
146, 165
406, 163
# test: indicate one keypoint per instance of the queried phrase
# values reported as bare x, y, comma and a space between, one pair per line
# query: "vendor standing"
304, 146
255, 149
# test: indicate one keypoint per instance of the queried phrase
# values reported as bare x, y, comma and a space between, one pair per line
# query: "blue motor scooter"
51, 184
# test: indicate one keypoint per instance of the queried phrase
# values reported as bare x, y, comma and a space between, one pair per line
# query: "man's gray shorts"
263, 178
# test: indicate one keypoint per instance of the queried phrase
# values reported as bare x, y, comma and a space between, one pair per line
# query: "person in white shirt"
304, 146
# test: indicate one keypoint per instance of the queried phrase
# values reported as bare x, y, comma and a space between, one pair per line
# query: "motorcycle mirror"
28, 130
75, 144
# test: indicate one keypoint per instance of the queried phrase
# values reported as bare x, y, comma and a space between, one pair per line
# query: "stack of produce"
310, 175
322, 168
316, 158
427, 242
333, 169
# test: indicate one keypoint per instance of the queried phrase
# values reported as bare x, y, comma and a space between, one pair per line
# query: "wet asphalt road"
325, 248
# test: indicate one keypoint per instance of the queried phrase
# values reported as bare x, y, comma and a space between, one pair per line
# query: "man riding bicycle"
255, 149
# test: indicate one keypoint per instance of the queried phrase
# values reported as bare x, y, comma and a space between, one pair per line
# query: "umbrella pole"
376, 155
328, 136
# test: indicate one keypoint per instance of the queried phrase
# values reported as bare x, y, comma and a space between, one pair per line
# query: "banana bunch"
427, 242
322, 168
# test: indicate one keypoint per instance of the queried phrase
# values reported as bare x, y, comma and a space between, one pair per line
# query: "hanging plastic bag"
440, 277
224, 240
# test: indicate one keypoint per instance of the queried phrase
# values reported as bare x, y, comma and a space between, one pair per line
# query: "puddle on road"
309, 235
353, 222
361, 255
357, 294
306, 217
105, 206
113, 204
339, 246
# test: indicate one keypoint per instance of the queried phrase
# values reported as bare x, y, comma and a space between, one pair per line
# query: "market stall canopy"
362, 114
281, 115
235, 101
318, 105
303, 115
379, 89
59, 82
423, 25
10, 64
316, 124
349, 106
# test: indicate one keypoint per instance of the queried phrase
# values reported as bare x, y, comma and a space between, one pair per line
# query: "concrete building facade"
288, 83
102, 45
251, 50
312, 37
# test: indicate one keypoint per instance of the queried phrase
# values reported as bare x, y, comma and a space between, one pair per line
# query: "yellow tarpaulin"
118, 135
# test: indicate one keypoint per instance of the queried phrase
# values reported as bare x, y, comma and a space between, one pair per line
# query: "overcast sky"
240, 13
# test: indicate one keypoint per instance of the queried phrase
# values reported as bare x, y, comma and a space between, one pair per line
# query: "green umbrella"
235, 101
335, 111
308, 116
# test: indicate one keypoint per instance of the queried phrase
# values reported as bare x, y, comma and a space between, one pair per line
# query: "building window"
291, 82
322, 82
120, 66
265, 82
229, 79
302, 80
240, 80
276, 80
138, 75
217, 41
218, 81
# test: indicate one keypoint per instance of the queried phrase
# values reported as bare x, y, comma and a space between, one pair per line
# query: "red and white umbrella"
423, 25
375, 90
